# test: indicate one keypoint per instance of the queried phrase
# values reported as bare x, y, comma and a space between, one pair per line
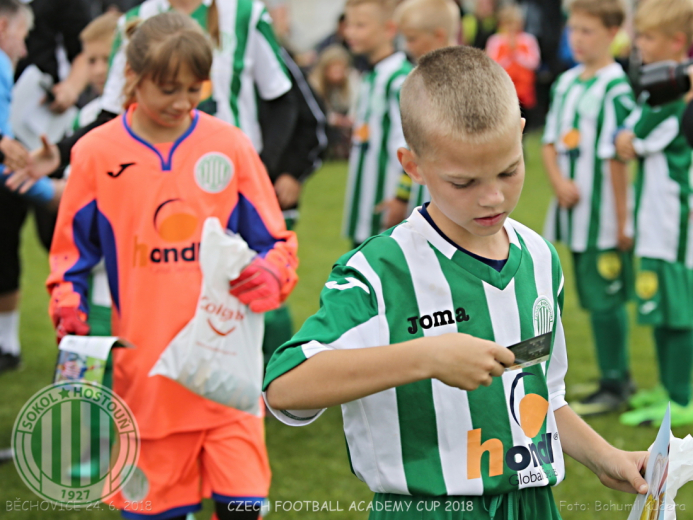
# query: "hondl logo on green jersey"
533, 410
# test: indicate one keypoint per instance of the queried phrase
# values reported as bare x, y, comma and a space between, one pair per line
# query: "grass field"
310, 463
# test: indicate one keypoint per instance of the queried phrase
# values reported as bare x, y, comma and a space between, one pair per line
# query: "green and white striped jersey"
427, 438
374, 170
663, 187
248, 57
582, 120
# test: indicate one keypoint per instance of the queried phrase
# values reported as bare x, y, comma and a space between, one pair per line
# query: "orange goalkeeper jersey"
142, 207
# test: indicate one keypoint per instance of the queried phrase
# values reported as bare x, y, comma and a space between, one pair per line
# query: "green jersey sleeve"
655, 127
619, 102
347, 319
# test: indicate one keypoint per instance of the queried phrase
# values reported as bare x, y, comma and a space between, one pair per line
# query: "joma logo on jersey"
533, 410
438, 319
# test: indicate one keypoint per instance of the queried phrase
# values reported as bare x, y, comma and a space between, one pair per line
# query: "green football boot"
648, 397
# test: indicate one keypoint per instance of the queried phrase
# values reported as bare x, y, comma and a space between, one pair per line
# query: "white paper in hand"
218, 354
652, 505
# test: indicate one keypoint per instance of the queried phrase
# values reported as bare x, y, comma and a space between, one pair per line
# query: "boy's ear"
409, 163
391, 29
4, 23
613, 31
441, 36
680, 41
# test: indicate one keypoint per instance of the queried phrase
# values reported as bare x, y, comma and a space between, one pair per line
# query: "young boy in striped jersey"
663, 242
374, 171
426, 25
412, 332
589, 103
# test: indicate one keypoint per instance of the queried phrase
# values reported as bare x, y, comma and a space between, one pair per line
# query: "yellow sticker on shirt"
361, 134
571, 139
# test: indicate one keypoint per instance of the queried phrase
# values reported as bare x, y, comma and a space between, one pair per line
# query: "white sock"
9, 332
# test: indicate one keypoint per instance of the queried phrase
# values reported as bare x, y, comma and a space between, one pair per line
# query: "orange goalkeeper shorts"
174, 474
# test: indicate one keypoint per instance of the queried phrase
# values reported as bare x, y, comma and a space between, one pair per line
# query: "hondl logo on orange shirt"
533, 410
174, 222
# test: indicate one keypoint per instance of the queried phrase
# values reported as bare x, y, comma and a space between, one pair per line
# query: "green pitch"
310, 464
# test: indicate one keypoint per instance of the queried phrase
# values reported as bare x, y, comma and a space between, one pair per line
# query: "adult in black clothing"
301, 156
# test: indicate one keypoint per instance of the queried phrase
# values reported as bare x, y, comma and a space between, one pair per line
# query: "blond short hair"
429, 15
666, 16
100, 28
459, 93
610, 12
510, 13
387, 7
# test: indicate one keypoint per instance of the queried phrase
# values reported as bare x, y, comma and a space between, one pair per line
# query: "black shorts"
13, 213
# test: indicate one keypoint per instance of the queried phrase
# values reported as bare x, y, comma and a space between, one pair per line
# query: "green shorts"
665, 294
525, 504
604, 279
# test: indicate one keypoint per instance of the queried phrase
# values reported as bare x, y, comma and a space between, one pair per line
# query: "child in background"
517, 52
426, 25
97, 42
480, 25
336, 82
588, 104
663, 224
16, 19
413, 327
138, 194
374, 171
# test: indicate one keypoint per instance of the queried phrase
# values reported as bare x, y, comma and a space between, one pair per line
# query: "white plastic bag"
218, 354
680, 471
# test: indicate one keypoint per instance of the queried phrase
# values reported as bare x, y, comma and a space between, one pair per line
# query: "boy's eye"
462, 186
508, 174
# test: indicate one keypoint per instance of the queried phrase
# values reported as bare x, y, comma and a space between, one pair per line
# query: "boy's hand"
466, 362
625, 243
567, 193
288, 191
622, 470
624, 145
43, 161
395, 212
16, 156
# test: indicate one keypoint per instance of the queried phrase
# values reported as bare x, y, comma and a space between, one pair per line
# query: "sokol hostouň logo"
75, 443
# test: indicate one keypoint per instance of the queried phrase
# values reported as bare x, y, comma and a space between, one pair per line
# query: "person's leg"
677, 364
236, 511
610, 329
603, 279
13, 211
9, 323
278, 330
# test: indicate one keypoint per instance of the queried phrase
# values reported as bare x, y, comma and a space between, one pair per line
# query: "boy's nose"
491, 197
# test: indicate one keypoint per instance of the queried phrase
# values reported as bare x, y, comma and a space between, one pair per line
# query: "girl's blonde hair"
318, 76
159, 46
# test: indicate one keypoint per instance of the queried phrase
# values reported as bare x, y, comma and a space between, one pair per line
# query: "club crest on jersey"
543, 315
213, 172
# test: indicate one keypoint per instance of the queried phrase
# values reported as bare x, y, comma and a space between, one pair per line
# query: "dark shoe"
611, 397
9, 362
